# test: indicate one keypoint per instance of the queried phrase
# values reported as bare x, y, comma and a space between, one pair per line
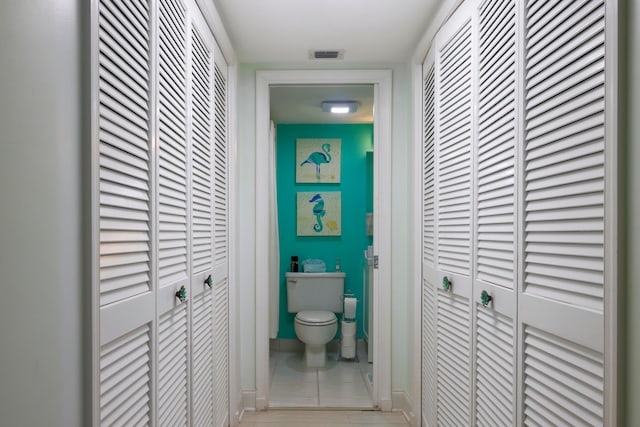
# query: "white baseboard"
385, 405
248, 400
287, 345
261, 404
239, 403
403, 402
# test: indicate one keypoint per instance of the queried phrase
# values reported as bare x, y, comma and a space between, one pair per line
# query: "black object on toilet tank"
294, 264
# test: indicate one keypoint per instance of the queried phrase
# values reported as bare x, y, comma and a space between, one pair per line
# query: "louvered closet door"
495, 228
453, 217
202, 170
429, 373
561, 302
173, 227
125, 287
221, 245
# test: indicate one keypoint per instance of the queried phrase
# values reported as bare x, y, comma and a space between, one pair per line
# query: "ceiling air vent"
326, 54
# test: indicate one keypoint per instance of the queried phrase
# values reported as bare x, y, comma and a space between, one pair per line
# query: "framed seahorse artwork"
319, 213
318, 161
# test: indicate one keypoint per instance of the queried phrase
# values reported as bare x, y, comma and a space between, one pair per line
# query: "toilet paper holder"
349, 328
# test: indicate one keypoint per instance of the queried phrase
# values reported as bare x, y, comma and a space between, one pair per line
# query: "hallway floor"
322, 418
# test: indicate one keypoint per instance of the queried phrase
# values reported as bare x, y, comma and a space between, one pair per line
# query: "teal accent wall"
357, 140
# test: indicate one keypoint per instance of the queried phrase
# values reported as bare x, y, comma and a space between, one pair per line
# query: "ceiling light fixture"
339, 107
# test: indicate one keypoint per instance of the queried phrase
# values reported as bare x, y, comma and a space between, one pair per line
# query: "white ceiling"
284, 31
275, 31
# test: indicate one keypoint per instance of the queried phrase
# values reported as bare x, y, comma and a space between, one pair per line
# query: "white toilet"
315, 297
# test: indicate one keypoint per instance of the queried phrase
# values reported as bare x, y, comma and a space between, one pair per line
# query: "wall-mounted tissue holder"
369, 224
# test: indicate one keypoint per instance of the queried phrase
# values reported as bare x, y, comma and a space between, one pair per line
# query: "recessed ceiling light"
339, 107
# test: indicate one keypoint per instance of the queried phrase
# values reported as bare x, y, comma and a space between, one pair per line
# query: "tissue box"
313, 266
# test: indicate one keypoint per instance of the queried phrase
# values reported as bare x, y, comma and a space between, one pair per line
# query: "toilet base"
315, 355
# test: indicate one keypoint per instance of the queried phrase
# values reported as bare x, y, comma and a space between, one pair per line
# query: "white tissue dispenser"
349, 329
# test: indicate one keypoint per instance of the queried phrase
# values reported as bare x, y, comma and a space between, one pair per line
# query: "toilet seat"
316, 318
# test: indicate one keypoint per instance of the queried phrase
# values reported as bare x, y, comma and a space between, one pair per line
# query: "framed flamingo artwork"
319, 213
318, 161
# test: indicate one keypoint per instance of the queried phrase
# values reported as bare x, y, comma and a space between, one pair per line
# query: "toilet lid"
315, 317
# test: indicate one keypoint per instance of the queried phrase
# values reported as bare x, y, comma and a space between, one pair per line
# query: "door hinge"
375, 261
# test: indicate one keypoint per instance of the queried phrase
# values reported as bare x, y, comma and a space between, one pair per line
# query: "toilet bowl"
315, 298
315, 328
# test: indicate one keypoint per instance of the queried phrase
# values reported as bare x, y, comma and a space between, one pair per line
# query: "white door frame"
382, 83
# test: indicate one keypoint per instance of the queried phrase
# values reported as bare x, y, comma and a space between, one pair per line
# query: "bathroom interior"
315, 267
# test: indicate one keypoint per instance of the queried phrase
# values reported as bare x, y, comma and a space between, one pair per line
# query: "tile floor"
340, 384
322, 418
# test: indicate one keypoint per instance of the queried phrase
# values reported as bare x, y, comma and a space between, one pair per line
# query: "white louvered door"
221, 245
202, 193
453, 217
161, 206
125, 215
174, 288
495, 243
536, 107
561, 300
429, 372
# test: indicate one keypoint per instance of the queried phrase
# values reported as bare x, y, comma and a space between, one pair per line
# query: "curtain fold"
274, 244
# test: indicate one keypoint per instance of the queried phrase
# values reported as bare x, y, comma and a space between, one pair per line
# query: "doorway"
330, 155
380, 80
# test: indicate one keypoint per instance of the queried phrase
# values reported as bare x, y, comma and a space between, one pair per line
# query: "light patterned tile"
296, 424
304, 395
346, 395
378, 418
294, 378
321, 418
341, 384
344, 389
299, 417
339, 376
293, 402
361, 402
291, 368
296, 394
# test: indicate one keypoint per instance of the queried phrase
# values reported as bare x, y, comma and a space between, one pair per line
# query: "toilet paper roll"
348, 328
350, 307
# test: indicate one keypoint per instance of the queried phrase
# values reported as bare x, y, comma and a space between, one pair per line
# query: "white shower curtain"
274, 245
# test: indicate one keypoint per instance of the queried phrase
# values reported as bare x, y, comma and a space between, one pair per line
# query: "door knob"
182, 294
209, 281
446, 283
485, 298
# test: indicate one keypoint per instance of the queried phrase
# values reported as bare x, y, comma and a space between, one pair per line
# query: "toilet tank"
315, 291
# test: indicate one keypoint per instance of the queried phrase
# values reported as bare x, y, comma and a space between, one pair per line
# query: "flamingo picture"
318, 158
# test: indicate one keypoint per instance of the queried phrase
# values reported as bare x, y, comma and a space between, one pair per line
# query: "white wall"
401, 174
246, 177
41, 339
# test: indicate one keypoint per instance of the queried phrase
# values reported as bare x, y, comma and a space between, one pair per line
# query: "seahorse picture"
318, 160
319, 213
